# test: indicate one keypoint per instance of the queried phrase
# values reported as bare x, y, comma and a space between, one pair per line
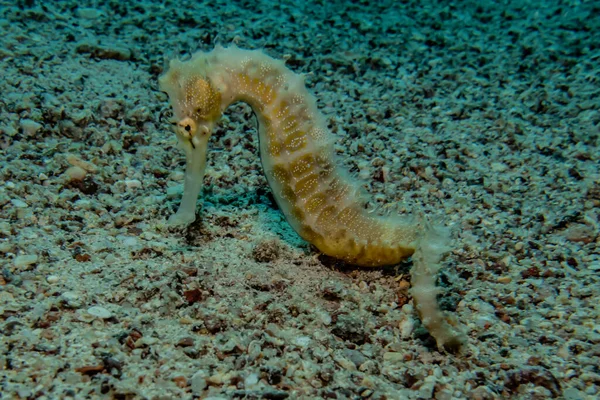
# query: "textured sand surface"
482, 115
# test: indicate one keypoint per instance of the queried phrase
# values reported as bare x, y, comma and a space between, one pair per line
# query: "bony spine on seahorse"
317, 198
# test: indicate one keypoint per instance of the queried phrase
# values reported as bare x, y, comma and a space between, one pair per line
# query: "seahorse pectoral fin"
195, 148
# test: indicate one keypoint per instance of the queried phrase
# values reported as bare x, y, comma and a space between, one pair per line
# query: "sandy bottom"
483, 116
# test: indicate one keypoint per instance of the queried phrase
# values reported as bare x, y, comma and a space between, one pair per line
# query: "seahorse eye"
187, 127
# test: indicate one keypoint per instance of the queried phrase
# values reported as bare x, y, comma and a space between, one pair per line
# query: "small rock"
5, 229
146, 341
185, 342
595, 266
498, 167
198, 382
302, 341
355, 356
482, 393
52, 279
133, 183
78, 162
19, 203
407, 327
250, 380
573, 394
25, 260
180, 381
426, 390
393, 357
75, 173
403, 285
537, 375
350, 328
99, 312
266, 251
580, 233
30, 127
88, 13
72, 299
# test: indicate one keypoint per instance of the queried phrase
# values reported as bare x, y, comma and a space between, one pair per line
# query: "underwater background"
481, 114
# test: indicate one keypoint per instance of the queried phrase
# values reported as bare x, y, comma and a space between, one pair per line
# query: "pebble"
174, 191
5, 247
5, 228
88, 13
251, 380
52, 279
72, 299
302, 341
498, 167
78, 162
406, 327
403, 285
30, 127
572, 394
19, 203
393, 356
325, 317
595, 266
198, 382
504, 279
75, 173
99, 312
133, 183
25, 260
426, 390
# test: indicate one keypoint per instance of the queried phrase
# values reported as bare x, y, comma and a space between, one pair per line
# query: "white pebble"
52, 279
99, 312
406, 327
25, 260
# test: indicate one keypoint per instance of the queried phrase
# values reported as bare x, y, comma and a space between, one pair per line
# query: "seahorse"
317, 198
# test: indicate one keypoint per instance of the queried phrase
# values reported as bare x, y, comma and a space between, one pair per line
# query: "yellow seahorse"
317, 198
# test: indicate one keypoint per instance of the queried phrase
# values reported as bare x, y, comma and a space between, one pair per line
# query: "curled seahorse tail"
430, 248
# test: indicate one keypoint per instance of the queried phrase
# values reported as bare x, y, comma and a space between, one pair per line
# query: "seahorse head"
196, 103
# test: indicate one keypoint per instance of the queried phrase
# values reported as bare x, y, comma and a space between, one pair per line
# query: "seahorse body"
315, 195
